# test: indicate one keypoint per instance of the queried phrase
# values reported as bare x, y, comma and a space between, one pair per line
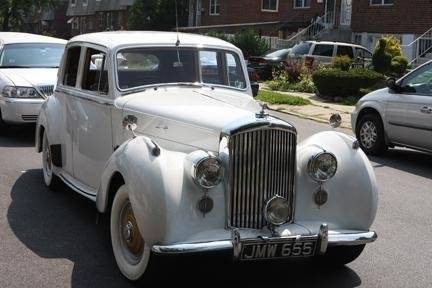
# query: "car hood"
30, 76
194, 117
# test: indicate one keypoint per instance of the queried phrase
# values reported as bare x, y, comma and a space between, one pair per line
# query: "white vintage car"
162, 132
28, 73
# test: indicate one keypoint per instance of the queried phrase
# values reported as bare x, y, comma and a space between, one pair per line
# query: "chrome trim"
266, 209
45, 90
323, 238
334, 239
314, 158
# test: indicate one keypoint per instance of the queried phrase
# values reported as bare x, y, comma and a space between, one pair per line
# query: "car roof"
336, 43
114, 39
18, 37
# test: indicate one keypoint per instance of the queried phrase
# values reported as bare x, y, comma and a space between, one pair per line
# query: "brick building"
86, 16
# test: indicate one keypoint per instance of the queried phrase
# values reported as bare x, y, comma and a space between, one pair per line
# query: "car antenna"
177, 25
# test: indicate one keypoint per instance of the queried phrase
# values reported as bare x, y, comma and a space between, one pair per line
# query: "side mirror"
335, 120
392, 84
255, 89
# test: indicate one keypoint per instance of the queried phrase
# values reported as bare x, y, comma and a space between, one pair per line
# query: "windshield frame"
4, 46
196, 48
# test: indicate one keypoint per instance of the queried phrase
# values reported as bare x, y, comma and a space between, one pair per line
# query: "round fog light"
277, 210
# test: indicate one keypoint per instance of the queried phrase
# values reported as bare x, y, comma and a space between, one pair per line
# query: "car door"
323, 53
91, 108
414, 105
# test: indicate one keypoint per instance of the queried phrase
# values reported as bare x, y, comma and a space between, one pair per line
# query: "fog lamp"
322, 166
277, 210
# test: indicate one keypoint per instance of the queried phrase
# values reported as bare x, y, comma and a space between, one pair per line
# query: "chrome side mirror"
335, 120
130, 123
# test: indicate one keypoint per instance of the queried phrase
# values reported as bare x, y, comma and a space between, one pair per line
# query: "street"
50, 239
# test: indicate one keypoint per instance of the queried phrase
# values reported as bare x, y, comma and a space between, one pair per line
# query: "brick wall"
249, 11
404, 17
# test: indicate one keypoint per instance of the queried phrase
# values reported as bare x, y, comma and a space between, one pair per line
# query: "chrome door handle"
426, 109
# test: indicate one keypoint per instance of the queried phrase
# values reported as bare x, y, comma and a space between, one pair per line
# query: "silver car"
400, 115
28, 73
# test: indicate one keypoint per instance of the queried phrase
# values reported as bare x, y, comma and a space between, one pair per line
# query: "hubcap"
130, 235
368, 134
47, 164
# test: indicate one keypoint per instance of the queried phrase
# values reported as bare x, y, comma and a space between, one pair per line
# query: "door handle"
426, 109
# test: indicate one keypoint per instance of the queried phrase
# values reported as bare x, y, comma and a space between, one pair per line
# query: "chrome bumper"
325, 239
20, 110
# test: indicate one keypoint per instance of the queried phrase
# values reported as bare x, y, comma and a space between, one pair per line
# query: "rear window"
301, 48
345, 51
323, 50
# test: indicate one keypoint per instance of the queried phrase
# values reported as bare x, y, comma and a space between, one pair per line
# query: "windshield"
301, 48
31, 55
278, 54
138, 67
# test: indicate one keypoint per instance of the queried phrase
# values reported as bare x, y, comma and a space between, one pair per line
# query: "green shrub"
381, 59
218, 34
393, 46
279, 98
399, 65
250, 43
342, 62
281, 82
305, 84
337, 83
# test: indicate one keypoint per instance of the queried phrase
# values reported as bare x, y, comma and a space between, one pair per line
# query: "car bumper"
325, 238
17, 111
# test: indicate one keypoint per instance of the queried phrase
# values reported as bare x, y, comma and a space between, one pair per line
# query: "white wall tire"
51, 180
131, 252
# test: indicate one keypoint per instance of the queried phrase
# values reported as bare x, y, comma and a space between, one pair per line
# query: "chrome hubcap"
368, 134
131, 238
47, 164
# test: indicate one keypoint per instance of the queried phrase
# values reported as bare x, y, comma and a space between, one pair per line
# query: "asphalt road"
50, 239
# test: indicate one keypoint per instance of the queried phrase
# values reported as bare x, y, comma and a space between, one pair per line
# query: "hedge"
337, 83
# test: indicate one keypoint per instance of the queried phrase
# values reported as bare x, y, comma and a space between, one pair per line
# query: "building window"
75, 24
302, 3
270, 5
85, 3
72, 3
214, 7
381, 2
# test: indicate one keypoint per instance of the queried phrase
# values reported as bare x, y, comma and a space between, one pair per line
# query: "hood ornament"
262, 114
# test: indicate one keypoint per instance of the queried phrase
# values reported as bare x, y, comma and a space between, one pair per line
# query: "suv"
320, 52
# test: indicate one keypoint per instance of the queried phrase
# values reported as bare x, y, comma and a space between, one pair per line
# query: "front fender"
352, 192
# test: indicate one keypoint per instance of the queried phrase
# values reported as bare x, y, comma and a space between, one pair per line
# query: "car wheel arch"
116, 181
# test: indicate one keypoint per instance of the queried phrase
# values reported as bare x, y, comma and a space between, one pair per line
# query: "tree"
14, 12
157, 14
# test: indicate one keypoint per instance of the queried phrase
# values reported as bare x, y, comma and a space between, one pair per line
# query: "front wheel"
370, 133
51, 180
131, 252
341, 255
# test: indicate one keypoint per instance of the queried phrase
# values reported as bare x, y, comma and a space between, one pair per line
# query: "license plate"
287, 248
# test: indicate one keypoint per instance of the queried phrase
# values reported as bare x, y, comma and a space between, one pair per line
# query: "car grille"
46, 90
32, 118
262, 165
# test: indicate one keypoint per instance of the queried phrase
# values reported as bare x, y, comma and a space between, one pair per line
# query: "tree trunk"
5, 24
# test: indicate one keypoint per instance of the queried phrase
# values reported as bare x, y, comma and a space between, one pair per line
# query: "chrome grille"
31, 118
262, 165
46, 90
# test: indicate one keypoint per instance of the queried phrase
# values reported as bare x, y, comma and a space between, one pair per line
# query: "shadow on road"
410, 161
17, 136
62, 225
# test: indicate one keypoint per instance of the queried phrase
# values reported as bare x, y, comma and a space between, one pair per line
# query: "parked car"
180, 158
28, 72
264, 65
400, 115
323, 52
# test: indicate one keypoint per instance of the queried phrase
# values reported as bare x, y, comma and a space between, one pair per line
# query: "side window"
71, 68
362, 53
235, 72
419, 82
323, 50
211, 67
95, 77
345, 51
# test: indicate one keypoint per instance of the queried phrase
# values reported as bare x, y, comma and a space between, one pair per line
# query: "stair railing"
419, 47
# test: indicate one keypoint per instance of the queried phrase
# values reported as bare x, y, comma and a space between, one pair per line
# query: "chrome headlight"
322, 166
20, 92
208, 172
277, 210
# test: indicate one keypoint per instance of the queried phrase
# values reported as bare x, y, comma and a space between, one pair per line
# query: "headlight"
20, 92
322, 166
208, 172
277, 210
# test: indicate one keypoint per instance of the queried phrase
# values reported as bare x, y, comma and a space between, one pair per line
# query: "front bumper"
325, 238
17, 111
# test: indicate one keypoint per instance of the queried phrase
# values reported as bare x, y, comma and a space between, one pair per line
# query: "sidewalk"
320, 110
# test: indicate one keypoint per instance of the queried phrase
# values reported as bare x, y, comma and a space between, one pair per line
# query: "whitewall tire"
51, 180
131, 252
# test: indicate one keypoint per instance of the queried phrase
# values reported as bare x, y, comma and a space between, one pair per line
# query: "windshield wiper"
187, 84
